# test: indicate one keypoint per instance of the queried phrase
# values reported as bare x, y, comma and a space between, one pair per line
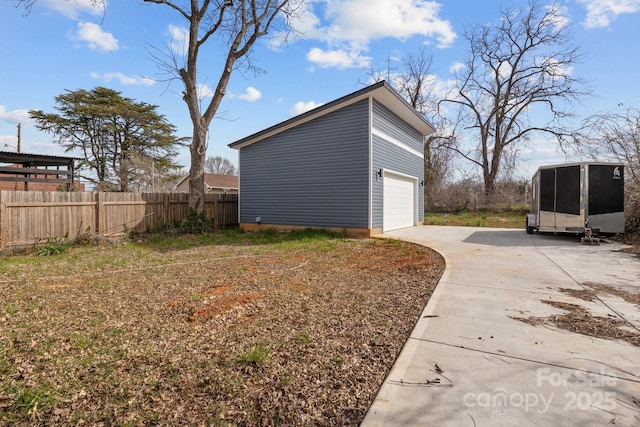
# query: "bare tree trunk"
241, 23
489, 184
198, 150
491, 173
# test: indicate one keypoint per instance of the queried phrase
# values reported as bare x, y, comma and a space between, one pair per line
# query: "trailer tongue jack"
588, 238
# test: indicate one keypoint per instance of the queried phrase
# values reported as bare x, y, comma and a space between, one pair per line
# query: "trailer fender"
531, 223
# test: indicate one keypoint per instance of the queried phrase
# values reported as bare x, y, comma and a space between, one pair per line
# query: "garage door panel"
399, 202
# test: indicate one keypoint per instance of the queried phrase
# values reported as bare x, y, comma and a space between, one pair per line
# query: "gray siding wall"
315, 174
389, 156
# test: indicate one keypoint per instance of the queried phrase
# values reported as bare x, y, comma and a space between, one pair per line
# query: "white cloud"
440, 88
305, 22
337, 58
348, 26
73, 8
251, 95
539, 152
559, 16
556, 69
303, 107
365, 20
600, 13
123, 79
456, 66
14, 116
95, 38
8, 142
179, 39
504, 70
204, 91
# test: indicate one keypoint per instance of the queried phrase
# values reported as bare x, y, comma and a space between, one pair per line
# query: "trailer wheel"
528, 227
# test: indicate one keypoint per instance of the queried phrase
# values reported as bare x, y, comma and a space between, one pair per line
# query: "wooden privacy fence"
28, 217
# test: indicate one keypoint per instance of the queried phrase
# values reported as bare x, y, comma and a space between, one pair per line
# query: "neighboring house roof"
381, 92
212, 181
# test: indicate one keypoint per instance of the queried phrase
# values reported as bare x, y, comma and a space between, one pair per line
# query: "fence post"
4, 226
216, 211
98, 213
165, 207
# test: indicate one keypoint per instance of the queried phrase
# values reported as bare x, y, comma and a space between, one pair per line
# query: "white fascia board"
397, 143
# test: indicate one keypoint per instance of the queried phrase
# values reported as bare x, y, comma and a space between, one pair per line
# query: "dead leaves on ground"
163, 344
576, 318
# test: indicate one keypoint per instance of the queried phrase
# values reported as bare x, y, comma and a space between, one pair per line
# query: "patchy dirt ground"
301, 333
633, 241
576, 318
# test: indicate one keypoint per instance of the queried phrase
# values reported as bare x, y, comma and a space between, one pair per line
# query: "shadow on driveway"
518, 237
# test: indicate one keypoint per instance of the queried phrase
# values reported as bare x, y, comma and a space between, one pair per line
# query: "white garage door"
399, 202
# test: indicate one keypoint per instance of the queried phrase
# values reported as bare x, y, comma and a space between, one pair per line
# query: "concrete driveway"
468, 362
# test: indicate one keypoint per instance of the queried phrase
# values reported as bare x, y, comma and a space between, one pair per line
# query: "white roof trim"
380, 91
397, 143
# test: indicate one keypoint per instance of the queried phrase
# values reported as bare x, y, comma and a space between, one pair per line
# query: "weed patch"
51, 249
257, 354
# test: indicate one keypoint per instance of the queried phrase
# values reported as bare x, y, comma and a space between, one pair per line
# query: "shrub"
54, 248
195, 223
632, 210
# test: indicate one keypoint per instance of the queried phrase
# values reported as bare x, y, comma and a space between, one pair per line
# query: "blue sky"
68, 45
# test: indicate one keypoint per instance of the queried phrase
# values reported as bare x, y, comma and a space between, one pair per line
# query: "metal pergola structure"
24, 168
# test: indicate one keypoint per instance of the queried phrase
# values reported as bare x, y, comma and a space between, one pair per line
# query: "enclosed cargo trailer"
581, 198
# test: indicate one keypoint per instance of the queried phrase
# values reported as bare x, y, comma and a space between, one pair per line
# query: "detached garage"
355, 164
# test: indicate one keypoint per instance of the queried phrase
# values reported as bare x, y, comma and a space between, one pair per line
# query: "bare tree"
614, 135
517, 69
414, 80
238, 24
28, 5
219, 165
145, 176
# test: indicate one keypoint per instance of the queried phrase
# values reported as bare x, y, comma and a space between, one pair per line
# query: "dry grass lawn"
215, 330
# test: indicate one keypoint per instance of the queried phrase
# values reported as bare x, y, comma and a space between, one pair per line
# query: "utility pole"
19, 126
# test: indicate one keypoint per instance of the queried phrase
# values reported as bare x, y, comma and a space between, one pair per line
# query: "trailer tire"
528, 227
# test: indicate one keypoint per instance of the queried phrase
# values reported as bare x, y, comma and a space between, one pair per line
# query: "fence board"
28, 217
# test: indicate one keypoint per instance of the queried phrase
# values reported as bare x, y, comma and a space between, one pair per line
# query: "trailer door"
568, 190
606, 198
560, 198
606, 189
547, 217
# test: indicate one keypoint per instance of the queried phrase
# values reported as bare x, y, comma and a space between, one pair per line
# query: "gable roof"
212, 180
221, 181
381, 92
